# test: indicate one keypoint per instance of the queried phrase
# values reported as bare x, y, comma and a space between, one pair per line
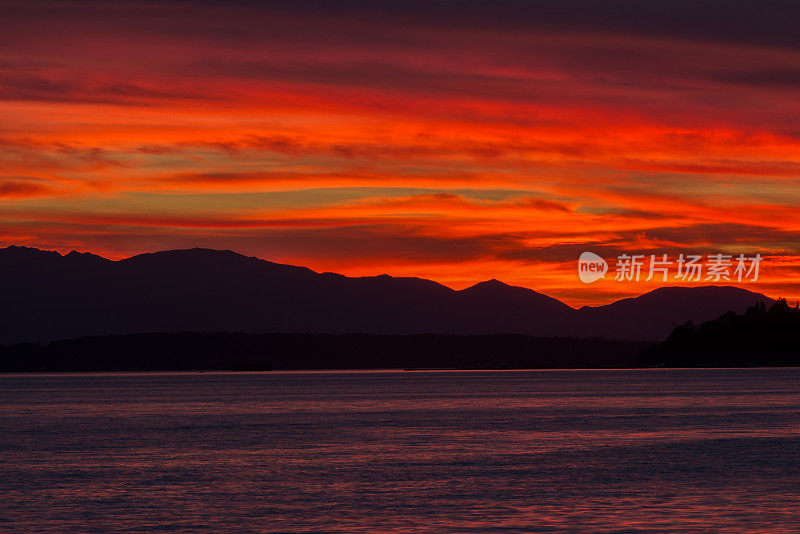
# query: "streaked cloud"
457, 141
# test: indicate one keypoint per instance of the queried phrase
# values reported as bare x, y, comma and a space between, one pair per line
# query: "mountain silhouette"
48, 296
652, 316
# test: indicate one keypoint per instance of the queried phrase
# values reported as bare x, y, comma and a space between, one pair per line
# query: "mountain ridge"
47, 296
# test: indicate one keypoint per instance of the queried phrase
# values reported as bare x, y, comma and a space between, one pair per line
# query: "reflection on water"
540, 451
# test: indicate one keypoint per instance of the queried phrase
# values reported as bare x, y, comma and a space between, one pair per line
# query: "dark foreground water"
541, 451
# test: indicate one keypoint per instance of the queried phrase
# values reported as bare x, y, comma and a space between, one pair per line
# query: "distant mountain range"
47, 296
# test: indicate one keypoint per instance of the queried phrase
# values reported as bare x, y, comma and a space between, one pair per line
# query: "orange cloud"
492, 146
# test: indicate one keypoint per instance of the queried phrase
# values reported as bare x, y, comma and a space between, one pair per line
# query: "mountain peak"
187, 254
195, 251
84, 257
702, 292
17, 251
490, 284
494, 292
496, 287
21, 248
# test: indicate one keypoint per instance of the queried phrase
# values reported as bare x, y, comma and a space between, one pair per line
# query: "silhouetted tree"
759, 337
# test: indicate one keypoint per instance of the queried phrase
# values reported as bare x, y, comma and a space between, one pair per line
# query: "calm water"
540, 451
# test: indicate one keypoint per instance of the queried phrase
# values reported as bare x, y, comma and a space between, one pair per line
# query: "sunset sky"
452, 141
